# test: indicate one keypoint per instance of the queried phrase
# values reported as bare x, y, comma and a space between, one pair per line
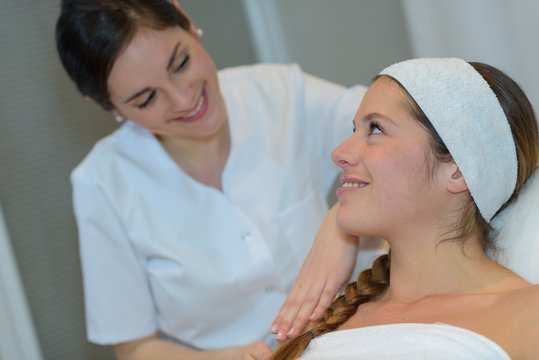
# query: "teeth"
197, 109
350, 184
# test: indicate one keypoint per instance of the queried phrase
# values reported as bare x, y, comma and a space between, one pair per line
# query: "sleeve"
118, 301
329, 110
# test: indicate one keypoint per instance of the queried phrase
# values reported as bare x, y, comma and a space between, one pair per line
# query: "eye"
148, 101
183, 63
353, 128
374, 128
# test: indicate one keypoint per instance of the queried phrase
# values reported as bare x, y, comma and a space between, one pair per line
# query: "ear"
456, 183
192, 27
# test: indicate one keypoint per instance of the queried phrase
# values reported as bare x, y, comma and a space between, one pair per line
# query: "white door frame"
18, 338
266, 31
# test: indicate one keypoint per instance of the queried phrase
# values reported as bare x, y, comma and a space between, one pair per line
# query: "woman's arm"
153, 347
326, 268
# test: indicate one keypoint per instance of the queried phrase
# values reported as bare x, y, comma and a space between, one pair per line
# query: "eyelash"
179, 68
148, 100
183, 64
374, 125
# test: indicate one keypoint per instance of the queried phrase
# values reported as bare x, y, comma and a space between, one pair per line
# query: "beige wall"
226, 35
346, 41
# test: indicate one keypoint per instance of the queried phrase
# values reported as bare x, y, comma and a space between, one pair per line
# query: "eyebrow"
170, 62
134, 96
173, 56
372, 116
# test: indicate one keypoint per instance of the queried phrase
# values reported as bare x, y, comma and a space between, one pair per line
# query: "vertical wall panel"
46, 129
501, 33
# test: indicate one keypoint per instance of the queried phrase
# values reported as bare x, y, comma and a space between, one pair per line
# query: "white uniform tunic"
210, 269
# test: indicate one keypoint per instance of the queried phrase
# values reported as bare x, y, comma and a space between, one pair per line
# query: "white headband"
468, 117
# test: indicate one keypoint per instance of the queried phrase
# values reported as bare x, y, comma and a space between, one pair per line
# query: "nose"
348, 153
180, 97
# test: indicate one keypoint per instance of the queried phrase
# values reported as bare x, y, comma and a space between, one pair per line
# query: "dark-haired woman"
440, 147
195, 215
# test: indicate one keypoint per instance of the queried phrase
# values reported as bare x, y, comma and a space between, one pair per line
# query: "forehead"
385, 96
146, 56
385, 92
386, 99
149, 46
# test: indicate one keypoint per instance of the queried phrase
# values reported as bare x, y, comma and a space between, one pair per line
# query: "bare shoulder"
525, 294
523, 300
520, 312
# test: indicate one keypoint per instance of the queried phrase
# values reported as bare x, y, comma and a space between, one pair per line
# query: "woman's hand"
153, 347
257, 351
326, 268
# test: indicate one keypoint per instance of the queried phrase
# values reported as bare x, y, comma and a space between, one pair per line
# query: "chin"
348, 224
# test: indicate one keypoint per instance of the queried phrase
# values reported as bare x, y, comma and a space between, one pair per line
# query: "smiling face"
387, 184
166, 82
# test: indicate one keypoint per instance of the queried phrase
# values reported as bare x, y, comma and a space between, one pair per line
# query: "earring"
118, 118
200, 32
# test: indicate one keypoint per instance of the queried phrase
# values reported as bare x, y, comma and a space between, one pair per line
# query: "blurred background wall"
47, 127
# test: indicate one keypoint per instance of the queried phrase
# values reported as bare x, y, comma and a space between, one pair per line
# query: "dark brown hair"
91, 34
372, 283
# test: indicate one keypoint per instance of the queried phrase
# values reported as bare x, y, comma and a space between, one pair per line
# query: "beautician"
196, 214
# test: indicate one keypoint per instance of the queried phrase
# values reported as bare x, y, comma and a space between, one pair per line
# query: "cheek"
402, 177
148, 118
202, 64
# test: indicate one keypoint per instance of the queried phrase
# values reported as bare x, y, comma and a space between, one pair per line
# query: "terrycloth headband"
468, 117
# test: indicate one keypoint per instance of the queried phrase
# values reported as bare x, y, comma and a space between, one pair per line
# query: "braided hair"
371, 284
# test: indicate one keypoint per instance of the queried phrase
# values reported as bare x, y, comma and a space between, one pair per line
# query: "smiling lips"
349, 183
198, 111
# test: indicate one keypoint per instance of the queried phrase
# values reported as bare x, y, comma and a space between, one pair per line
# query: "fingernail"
291, 331
273, 328
279, 335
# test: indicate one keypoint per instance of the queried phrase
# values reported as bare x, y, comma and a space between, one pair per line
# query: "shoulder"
263, 79
278, 81
520, 319
259, 72
523, 294
522, 302
110, 152
95, 157
261, 87
527, 299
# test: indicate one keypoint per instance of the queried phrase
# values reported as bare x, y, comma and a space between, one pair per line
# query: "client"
440, 147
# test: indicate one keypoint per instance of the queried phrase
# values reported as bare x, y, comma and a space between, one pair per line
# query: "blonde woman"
440, 147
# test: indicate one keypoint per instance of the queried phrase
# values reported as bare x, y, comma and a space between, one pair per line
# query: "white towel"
404, 342
518, 232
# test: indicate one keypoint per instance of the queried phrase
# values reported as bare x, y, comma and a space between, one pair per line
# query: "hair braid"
370, 284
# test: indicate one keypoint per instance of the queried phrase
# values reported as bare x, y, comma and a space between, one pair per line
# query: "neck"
420, 270
203, 159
